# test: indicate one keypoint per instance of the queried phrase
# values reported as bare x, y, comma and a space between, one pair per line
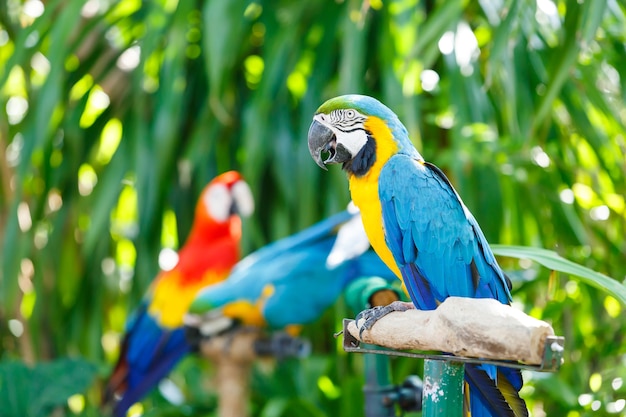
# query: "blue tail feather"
146, 382
486, 400
149, 353
509, 383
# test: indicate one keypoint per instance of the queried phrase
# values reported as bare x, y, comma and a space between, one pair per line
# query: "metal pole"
382, 398
377, 386
443, 388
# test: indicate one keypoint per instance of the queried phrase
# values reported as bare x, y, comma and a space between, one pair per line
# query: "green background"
114, 115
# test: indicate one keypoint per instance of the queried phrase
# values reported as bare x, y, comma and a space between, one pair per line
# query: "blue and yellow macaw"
292, 281
417, 223
155, 338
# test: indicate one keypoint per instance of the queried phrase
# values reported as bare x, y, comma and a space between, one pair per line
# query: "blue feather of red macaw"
153, 351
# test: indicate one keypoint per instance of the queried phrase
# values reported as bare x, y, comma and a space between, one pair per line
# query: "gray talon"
372, 315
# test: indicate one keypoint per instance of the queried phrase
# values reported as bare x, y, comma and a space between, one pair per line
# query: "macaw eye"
244, 201
350, 114
217, 202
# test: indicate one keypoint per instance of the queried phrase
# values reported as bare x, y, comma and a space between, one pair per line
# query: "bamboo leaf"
554, 261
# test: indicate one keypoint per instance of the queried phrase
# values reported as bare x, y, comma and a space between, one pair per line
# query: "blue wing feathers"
269, 263
427, 224
441, 252
419, 288
392, 230
409, 250
310, 287
303, 285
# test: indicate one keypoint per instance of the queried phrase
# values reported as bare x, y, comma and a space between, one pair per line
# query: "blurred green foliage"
37, 391
115, 114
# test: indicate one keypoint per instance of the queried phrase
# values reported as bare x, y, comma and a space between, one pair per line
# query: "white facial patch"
353, 141
243, 198
217, 202
348, 127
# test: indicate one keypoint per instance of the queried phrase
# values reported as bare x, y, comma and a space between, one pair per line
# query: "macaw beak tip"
320, 139
320, 163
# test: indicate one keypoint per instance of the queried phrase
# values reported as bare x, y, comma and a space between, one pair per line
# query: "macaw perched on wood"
419, 226
155, 341
291, 281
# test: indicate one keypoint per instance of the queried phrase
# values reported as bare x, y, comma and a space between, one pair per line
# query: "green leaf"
15, 378
554, 261
529, 128
559, 388
34, 392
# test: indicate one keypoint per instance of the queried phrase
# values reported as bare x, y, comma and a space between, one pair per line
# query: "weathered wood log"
480, 328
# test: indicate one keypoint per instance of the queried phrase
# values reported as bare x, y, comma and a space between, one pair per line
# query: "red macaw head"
225, 197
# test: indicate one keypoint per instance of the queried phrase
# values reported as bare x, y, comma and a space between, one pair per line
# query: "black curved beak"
242, 200
321, 139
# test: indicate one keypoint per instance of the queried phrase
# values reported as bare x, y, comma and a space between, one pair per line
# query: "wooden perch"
480, 328
237, 347
233, 355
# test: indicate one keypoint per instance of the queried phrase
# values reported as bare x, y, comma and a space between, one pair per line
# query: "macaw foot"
372, 315
200, 327
281, 345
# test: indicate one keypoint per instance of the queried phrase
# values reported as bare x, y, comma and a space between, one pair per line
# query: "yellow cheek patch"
172, 296
386, 145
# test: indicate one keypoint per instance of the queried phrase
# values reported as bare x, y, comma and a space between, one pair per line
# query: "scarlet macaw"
417, 223
291, 281
155, 341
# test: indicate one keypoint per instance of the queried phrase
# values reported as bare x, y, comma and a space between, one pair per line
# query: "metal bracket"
552, 355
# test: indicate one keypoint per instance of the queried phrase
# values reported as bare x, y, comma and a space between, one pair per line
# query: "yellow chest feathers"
364, 190
172, 296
